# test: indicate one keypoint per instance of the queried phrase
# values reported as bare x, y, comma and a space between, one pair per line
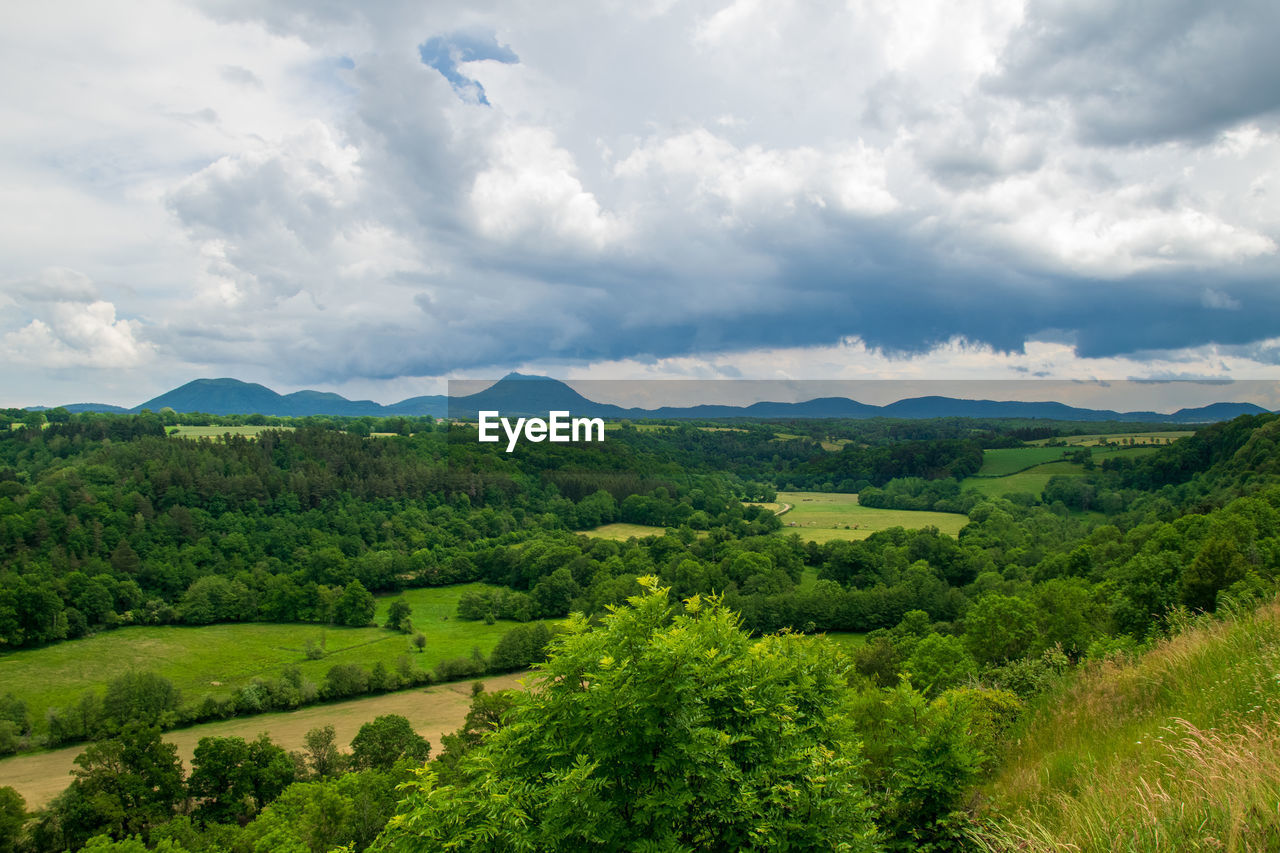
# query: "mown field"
1139, 438
433, 711
217, 659
622, 532
823, 516
219, 431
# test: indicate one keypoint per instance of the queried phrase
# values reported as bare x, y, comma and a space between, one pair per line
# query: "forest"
684, 695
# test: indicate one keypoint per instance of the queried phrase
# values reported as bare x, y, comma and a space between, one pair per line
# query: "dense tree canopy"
661, 730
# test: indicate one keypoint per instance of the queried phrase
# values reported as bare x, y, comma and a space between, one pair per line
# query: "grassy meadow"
1002, 461
1029, 469
1176, 750
217, 659
823, 516
621, 532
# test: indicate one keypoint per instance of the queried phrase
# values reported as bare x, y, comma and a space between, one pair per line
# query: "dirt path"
785, 508
433, 711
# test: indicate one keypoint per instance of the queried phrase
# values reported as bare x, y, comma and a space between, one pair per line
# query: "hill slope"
1177, 750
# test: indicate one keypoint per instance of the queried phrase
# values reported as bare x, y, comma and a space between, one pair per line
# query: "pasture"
433, 711
1152, 439
219, 431
1033, 479
823, 516
621, 532
217, 659
1008, 460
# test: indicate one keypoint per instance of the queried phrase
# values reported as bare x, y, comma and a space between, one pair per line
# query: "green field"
217, 659
1033, 479
1007, 460
823, 516
218, 431
847, 640
1140, 438
622, 532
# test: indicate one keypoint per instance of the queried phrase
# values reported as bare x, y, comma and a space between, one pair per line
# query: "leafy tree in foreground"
659, 730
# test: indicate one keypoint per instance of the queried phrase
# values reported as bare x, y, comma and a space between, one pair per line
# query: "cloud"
1217, 299
241, 76
77, 335
358, 194
55, 284
1145, 72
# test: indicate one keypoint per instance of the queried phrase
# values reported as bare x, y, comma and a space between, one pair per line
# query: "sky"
375, 198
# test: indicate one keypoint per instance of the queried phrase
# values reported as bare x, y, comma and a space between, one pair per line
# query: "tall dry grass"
1178, 750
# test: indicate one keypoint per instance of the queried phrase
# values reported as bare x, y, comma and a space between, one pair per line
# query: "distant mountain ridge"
518, 394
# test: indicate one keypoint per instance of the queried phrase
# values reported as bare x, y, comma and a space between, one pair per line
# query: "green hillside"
1176, 750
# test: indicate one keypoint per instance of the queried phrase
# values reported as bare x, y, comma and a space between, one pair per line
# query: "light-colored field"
832, 444
217, 659
622, 532
433, 711
616, 425
219, 431
823, 516
1140, 438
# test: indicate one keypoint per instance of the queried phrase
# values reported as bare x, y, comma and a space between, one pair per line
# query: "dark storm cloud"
1148, 70
392, 189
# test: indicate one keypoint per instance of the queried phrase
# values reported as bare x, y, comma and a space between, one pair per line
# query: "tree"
939, 663
398, 616
1216, 566
681, 733
419, 642
555, 592
999, 628
123, 786
322, 752
235, 779
355, 607
382, 742
13, 814
143, 697
484, 717
522, 646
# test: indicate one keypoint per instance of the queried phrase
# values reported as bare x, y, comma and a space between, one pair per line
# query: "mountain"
519, 395
1215, 412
